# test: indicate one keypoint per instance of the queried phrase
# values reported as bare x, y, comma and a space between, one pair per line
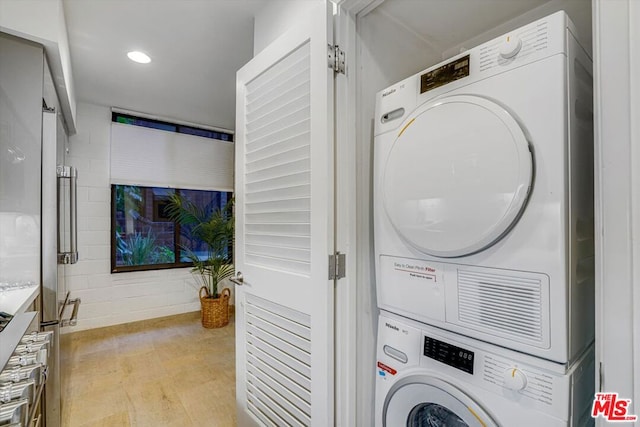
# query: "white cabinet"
21, 83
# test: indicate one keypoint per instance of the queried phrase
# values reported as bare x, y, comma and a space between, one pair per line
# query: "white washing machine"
431, 377
483, 193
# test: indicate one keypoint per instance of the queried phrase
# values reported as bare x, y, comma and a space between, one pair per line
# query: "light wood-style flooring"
161, 372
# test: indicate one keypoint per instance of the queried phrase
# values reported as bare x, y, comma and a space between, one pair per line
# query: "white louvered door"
285, 230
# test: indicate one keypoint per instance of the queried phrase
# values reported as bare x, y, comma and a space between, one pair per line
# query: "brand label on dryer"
388, 92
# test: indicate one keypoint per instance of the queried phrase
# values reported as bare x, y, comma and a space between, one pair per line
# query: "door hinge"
337, 266
336, 58
600, 378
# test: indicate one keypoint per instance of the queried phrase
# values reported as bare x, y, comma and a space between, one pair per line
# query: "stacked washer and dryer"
484, 238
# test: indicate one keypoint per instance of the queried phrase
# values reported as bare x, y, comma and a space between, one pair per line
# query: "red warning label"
387, 368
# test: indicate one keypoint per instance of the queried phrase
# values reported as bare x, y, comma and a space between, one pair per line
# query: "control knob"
510, 47
515, 379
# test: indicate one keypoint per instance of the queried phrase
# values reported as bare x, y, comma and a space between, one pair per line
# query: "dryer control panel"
449, 354
449, 72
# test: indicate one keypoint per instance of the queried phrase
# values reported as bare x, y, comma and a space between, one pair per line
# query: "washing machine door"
424, 401
458, 176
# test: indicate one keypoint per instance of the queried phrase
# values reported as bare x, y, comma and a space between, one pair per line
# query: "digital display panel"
447, 73
448, 354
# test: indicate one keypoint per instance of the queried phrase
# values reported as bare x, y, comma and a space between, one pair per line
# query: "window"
129, 119
144, 238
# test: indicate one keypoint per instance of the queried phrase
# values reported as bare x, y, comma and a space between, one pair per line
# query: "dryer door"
424, 401
457, 177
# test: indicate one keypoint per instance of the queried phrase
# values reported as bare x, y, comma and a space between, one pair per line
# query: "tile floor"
161, 372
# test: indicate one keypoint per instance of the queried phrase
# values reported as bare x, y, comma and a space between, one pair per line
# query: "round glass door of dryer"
429, 402
457, 177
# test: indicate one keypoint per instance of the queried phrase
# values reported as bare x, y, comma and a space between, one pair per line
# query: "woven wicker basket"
215, 311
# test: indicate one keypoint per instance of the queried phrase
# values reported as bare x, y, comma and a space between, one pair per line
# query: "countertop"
15, 301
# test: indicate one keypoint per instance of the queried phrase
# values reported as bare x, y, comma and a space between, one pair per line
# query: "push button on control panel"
395, 354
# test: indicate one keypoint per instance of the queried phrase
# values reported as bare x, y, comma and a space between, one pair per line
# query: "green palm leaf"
216, 230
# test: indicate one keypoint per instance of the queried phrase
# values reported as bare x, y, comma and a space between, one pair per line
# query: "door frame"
345, 296
350, 401
616, 62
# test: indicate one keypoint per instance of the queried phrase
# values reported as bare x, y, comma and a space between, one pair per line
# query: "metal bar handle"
73, 214
73, 320
60, 213
70, 173
63, 304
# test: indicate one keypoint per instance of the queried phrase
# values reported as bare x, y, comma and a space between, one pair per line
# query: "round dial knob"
510, 47
515, 379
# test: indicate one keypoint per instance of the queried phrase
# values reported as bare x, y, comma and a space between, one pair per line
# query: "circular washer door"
429, 402
457, 177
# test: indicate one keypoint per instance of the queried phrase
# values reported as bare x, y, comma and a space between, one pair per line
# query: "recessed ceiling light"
138, 56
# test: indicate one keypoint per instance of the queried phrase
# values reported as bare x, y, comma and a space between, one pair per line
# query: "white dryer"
483, 193
426, 376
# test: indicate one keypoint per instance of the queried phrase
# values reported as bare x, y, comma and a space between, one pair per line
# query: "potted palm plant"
216, 229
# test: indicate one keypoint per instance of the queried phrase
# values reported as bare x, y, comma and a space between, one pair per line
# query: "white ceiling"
196, 48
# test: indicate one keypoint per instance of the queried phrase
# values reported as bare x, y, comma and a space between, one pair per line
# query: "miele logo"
390, 326
389, 92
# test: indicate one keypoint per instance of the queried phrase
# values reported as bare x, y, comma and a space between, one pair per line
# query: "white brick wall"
109, 299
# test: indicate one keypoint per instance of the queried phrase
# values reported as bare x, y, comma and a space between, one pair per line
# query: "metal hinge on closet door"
336, 58
600, 378
337, 266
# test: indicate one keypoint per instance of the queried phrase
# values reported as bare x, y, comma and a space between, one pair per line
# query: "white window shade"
156, 158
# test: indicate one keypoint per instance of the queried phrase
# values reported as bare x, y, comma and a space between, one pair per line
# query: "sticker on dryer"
414, 269
383, 369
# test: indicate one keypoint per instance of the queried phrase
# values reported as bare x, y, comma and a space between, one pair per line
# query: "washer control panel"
523, 379
449, 354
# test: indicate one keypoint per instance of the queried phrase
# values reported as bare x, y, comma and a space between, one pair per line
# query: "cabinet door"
285, 230
21, 71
